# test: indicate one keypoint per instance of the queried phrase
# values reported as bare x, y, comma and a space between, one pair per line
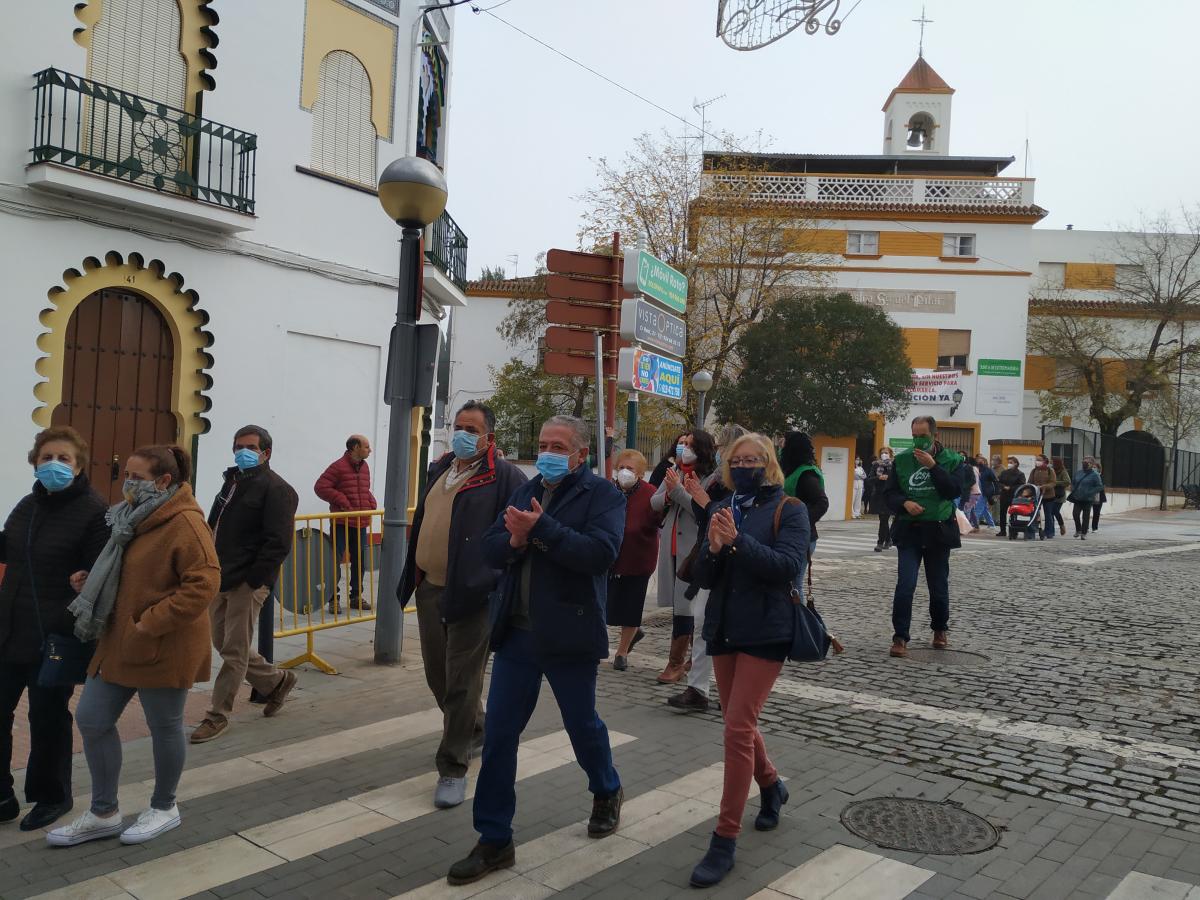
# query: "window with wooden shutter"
954, 348
343, 136
135, 48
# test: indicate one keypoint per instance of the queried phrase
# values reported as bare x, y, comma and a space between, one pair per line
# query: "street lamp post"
702, 383
412, 192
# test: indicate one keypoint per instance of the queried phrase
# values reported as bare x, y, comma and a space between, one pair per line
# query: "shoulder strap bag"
811, 640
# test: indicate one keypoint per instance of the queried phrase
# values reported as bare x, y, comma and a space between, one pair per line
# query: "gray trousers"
454, 655
99, 708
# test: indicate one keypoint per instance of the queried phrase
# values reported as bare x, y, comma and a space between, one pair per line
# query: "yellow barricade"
320, 586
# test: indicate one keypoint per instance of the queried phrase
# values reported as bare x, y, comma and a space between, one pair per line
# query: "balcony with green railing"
94, 128
446, 248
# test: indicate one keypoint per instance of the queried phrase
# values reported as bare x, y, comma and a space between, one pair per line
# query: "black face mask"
748, 480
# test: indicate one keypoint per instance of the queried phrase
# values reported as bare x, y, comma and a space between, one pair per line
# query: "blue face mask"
464, 444
747, 480
679, 449
553, 466
55, 475
246, 458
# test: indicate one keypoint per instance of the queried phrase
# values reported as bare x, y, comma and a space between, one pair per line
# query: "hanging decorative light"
751, 24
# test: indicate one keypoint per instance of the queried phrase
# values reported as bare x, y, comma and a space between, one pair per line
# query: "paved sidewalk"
1073, 732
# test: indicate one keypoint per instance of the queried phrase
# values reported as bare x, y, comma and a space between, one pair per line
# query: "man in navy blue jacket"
555, 542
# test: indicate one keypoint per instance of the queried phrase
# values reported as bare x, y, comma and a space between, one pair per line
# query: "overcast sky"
1103, 89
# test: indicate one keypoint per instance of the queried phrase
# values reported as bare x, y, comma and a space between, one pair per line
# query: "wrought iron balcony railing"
105, 131
446, 248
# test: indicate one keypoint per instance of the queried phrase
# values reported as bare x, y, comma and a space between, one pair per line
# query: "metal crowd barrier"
320, 569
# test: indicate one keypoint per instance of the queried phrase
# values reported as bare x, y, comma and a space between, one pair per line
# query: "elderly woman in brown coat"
147, 599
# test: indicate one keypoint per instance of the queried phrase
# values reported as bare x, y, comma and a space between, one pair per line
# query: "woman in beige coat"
147, 599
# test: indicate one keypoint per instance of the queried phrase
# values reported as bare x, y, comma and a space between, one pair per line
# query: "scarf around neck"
95, 602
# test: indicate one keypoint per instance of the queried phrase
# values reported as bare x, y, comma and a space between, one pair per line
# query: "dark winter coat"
573, 545
877, 477
346, 487
989, 486
639, 546
750, 581
1086, 486
477, 504
48, 537
906, 532
1010, 480
252, 519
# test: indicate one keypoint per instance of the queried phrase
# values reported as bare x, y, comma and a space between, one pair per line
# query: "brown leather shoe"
940, 640
674, 673
279, 696
209, 729
899, 649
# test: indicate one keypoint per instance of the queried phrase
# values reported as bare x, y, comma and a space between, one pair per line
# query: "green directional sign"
649, 275
1005, 367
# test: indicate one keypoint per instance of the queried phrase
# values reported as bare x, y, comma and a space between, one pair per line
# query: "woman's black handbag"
811, 640
65, 661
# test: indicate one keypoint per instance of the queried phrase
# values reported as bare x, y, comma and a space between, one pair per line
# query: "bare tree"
1111, 365
735, 252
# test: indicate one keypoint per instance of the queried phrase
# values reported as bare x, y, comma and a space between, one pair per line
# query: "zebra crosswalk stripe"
255, 850
844, 873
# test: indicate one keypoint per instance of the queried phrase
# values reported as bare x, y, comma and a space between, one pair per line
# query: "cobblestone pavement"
1074, 735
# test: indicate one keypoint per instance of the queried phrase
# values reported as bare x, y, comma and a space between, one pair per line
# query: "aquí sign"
650, 373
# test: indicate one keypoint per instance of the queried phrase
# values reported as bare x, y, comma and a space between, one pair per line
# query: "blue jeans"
1049, 508
937, 577
517, 672
983, 511
354, 540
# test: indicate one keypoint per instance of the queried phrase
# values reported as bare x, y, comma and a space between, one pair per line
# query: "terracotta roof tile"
527, 286
921, 79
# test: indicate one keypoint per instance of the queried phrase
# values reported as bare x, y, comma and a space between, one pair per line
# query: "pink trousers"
744, 683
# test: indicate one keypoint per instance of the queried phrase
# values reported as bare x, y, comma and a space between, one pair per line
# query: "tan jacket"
169, 576
1046, 479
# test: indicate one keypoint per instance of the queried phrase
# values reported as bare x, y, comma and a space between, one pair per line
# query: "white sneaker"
150, 825
88, 827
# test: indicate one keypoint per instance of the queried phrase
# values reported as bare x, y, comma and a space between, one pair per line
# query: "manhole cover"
946, 657
919, 826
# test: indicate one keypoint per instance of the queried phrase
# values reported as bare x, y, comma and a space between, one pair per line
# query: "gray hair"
928, 420
728, 434
582, 433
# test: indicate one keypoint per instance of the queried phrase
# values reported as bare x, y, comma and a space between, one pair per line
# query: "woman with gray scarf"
146, 599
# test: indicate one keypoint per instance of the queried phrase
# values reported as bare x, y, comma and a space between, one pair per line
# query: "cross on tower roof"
922, 22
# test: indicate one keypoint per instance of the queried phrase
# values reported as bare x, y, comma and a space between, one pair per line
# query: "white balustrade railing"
873, 191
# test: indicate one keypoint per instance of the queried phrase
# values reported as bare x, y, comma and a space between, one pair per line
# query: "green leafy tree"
818, 363
525, 396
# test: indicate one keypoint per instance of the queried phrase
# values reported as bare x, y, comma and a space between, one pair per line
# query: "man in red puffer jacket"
346, 487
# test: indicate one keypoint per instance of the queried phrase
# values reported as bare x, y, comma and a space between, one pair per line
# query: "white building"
193, 242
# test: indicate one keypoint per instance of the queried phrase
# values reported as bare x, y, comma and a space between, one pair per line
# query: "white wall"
992, 307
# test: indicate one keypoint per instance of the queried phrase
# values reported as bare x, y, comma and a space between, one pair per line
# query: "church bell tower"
916, 116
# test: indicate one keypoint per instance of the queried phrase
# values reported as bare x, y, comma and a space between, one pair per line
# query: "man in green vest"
920, 492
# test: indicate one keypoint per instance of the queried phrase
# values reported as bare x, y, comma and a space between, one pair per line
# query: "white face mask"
885, 456
626, 478
687, 456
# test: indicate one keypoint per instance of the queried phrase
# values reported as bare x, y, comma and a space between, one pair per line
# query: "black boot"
10, 808
690, 700
482, 860
606, 814
771, 800
717, 862
44, 814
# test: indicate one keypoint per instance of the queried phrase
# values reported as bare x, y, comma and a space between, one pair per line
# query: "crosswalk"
553, 862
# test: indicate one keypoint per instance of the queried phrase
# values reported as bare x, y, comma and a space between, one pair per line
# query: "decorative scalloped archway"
185, 320
197, 40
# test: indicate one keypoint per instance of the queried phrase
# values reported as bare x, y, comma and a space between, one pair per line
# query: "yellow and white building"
192, 240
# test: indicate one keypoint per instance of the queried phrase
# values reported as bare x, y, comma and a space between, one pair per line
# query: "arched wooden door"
117, 382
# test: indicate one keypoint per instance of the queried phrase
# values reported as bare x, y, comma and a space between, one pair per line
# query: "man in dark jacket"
252, 520
346, 486
555, 542
1010, 478
467, 490
921, 490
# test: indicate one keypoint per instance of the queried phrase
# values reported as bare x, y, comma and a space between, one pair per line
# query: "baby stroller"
1024, 510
